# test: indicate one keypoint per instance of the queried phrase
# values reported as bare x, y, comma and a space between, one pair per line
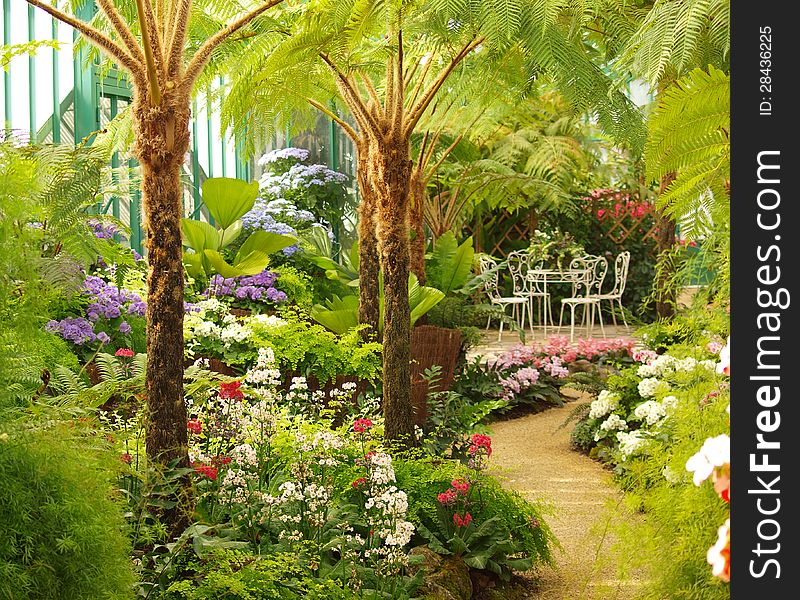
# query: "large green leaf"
253, 263
199, 235
451, 263
193, 263
339, 315
230, 233
264, 242
421, 298
228, 199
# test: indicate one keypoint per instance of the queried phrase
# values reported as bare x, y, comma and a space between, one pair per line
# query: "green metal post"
222, 138
135, 218
7, 74
32, 77
56, 119
85, 101
333, 163
114, 160
209, 137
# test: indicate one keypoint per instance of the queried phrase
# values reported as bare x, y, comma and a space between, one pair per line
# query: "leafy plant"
228, 200
63, 533
450, 265
340, 314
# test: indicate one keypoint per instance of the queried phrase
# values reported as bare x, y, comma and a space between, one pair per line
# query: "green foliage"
45, 241
341, 314
312, 350
690, 136
228, 200
450, 266
691, 328
514, 522
296, 284
61, 533
676, 36
240, 575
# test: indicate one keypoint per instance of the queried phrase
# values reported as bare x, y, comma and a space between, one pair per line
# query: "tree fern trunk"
391, 169
369, 260
162, 139
417, 203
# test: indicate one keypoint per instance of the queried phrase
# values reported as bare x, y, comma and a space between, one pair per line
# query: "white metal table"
557, 276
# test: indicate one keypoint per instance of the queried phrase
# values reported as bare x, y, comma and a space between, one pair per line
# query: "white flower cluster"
381, 469
650, 387
715, 453
265, 372
665, 365
606, 402
613, 423
630, 443
651, 412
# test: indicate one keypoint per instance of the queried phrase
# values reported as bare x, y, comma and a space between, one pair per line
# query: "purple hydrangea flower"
77, 330
125, 327
103, 337
246, 287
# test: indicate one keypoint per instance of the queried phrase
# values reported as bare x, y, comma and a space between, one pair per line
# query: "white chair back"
520, 263
492, 284
621, 266
590, 281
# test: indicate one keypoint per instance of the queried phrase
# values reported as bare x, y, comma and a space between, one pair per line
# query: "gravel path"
532, 455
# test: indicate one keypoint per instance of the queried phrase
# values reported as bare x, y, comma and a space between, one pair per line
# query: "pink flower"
361, 425
359, 482
480, 441
447, 498
195, 426
460, 521
461, 485
124, 352
126, 458
601, 213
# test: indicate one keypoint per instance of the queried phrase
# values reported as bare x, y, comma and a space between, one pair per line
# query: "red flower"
361, 425
221, 461
447, 498
126, 352
481, 441
359, 482
461, 486
206, 470
231, 391
693, 244
195, 426
126, 458
600, 213
460, 521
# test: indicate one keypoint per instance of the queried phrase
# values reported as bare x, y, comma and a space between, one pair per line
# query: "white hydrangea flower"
651, 412
669, 403
630, 443
650, 387
605, 402
613, 422
686, 365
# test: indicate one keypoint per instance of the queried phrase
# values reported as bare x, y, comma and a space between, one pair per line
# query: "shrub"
61, 533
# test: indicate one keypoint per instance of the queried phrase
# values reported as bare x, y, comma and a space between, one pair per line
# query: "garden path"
532, 455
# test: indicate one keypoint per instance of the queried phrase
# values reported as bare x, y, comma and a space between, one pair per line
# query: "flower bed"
661, 426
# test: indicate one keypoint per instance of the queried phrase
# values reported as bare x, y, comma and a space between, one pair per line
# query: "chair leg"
560, 317
571, 323
613, 312
600, 316
500, 335
488, 322
622, 312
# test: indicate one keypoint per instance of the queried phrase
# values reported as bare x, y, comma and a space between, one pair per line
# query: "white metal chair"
492, 288
522, 268
590, 273
621, 266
